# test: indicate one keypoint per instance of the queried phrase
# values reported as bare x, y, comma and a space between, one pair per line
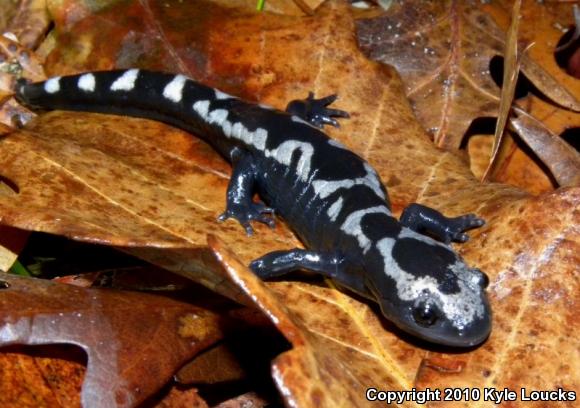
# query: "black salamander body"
331, 197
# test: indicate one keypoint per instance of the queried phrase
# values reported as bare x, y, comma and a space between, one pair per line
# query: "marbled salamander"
331, 197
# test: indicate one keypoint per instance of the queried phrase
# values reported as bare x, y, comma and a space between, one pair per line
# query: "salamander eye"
425, 313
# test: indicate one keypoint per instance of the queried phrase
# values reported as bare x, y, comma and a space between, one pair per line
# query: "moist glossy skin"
331, 197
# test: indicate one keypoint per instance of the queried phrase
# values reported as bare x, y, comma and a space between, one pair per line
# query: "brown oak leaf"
134, 341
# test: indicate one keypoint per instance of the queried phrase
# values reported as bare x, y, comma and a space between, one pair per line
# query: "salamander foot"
246, 213
315, 111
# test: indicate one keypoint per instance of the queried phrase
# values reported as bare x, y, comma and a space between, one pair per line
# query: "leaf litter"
444, 52
169, 188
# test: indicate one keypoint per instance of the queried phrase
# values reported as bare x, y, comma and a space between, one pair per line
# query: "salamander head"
428, 290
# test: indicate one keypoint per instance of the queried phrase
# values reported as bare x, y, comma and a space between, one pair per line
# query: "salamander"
331, 197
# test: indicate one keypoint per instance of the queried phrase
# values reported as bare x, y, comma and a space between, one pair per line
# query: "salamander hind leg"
279, 263
421, 218
315, 111
328, 264
240, 204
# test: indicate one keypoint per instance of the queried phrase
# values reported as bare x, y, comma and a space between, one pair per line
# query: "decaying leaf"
541, 26
29, 22
47, 376
443, 51
110, 326
129, 182
458, 41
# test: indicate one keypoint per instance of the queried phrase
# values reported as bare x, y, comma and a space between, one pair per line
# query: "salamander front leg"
331, 265
315, 111
240, 204
421, 218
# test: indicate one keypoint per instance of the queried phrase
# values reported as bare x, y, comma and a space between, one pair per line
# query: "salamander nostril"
482, 278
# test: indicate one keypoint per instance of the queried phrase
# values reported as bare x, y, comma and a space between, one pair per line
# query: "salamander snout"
427, 318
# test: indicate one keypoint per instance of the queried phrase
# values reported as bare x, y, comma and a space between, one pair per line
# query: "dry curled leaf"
443, 51
541, 26
511, 70
561, 158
